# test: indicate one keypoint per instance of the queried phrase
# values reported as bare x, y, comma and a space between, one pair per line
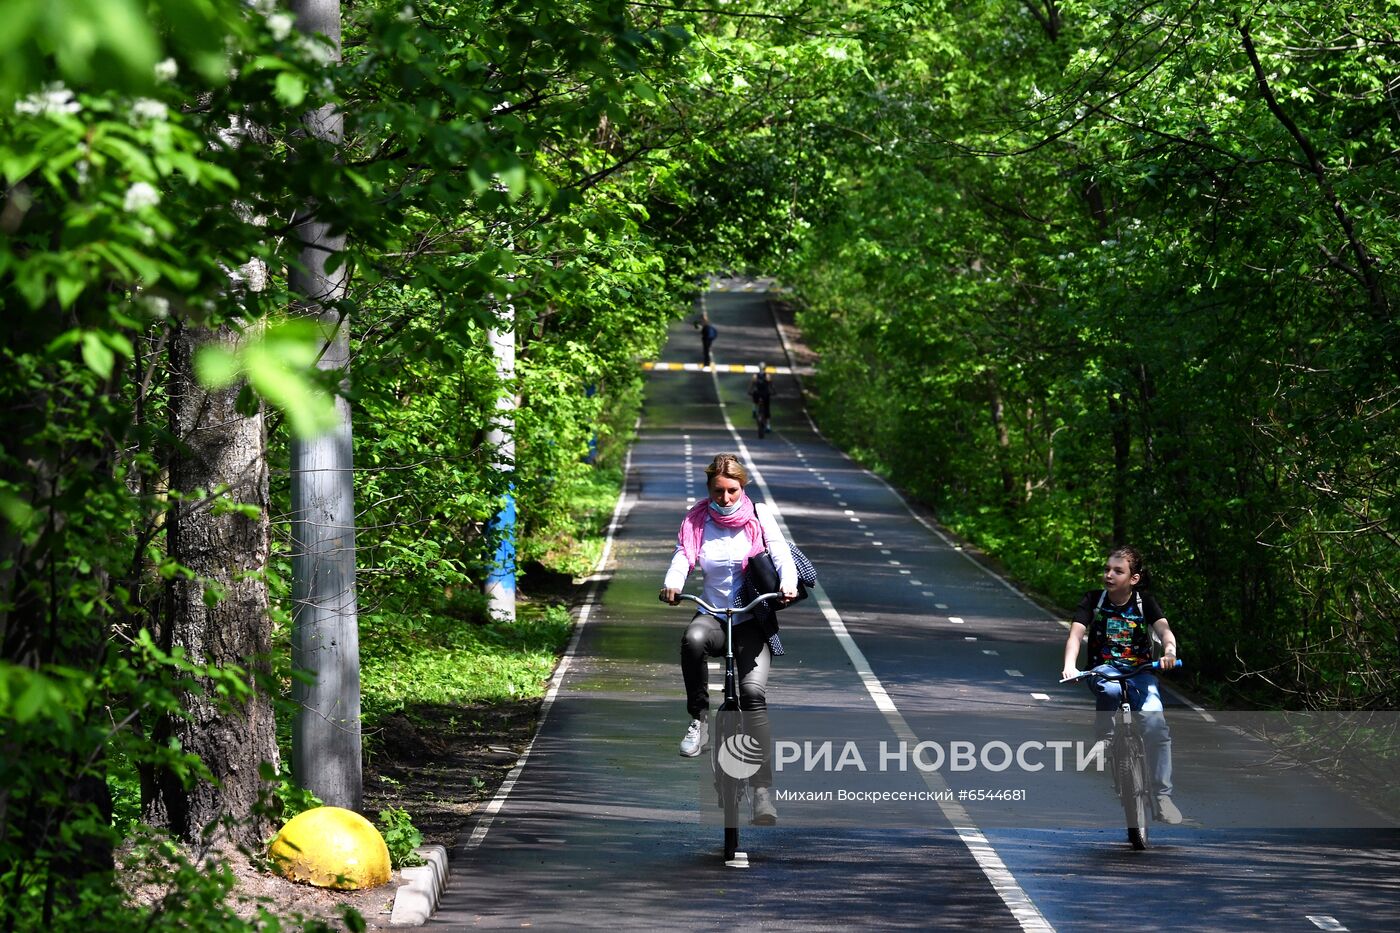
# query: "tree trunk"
218, 614
1122, 442
500, 581
1008, 481
325, 615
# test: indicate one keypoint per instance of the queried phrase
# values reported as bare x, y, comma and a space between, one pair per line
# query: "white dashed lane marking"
1022, 908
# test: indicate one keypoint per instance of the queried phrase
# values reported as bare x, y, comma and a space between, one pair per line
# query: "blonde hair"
727, 465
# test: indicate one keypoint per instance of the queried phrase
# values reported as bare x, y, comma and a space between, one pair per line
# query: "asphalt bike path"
602, 824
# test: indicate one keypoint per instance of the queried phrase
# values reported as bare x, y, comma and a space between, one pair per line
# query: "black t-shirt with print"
1118, 633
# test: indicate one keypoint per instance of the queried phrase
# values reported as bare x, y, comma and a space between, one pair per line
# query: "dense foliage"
1085, 273
154, 170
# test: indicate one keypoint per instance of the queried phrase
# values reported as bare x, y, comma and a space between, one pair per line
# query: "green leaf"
216, 367
17, 512
310, 410
39, 694
290, 89
97, 355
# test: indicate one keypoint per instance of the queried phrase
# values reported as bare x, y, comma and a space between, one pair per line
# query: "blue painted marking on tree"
501, 579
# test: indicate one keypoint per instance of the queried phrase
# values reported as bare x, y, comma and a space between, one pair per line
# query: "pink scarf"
692, 533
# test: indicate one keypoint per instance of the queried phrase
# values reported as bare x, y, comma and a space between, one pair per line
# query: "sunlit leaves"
279, 362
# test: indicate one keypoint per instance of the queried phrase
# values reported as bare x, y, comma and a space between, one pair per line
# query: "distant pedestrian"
708, 333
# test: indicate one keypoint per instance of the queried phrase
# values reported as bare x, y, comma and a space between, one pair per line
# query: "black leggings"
703, 638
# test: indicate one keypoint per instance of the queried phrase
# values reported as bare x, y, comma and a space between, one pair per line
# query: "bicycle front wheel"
1134, 793
728, 787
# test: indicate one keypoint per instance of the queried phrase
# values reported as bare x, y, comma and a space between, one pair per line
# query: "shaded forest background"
1078, 273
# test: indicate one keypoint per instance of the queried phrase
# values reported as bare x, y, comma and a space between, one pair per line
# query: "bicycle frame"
762, 414
728, 788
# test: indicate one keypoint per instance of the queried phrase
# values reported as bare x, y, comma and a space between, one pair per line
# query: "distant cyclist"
1119, 620
708, 333
761, 391
720, 534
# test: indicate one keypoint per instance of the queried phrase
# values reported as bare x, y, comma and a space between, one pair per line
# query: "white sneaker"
696, 735
1167, 811
764, 813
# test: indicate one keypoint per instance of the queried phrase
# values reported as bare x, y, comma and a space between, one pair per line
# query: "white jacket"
722, 553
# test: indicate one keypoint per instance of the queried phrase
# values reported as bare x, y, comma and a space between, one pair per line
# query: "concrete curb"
418, 896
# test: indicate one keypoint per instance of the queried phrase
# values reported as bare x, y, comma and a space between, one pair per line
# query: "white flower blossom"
280, 25
408, 14
265, 7
140, 196
318, 51
156, 306
145, 110
53, 100
167, 70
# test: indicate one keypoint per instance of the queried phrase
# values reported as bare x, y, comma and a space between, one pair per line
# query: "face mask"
726, 510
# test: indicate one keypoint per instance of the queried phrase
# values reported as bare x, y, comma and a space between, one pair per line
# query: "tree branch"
1365, 264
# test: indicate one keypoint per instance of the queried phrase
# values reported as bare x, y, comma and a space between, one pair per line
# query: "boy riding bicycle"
1120, 637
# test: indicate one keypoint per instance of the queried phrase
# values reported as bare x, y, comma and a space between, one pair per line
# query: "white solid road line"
483, 825
1003, 882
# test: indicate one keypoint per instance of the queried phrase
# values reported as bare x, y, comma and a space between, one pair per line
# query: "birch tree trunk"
220, 612
500, 582
325, 617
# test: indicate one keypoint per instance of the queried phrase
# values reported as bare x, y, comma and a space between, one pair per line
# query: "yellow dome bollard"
331, 847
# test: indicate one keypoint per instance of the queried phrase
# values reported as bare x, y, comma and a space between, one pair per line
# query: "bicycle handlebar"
1116, 675
718, 611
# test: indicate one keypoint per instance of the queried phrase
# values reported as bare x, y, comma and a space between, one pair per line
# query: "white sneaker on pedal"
764, 813
1167, 811
696, 735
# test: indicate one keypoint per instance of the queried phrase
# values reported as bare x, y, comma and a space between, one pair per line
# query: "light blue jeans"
1144, 697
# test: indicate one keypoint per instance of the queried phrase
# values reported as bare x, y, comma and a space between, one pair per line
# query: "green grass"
573, 545
446, 661
442, 654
